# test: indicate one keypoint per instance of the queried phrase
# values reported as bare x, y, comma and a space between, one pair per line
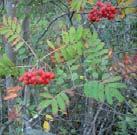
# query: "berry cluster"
37, 77
102, 10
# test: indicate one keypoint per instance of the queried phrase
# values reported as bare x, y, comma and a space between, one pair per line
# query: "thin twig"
30, 49
45, 31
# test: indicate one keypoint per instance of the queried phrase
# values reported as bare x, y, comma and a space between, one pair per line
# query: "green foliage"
96, 55
85, 62
104, 86
104, 91
126, 123
72, 44
7, 67
57, 103
80, 4
11, 29
77, 4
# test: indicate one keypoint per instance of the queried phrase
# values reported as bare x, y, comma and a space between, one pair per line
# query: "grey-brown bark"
11, 11
89, 114
26, 36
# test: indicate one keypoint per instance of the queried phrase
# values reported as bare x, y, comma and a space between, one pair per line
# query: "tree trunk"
26, 36
89, 116
11, 11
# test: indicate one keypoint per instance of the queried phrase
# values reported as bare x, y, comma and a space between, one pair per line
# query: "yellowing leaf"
127, 7
12, 92
11, 30
46, 126
90, 1
49, 117
50, 44
15, 41
81, 77
110, 53
123, 15
10, 97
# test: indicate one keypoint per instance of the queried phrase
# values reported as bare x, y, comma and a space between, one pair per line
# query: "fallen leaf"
11, 92
10, 97
110, 52
12, 114
46, 126
127, 59
13, 89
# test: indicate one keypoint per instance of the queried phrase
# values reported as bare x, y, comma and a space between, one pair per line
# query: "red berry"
100, 4
40, 80
47, 74
29, 74
102, 10
46, 81
52, 76
41, 71
36, 77
33, 74
33, 79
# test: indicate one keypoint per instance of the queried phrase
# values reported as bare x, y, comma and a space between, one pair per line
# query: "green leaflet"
101, 92
54, 106
115, 93
65, 37
44, 104
10, 39
64, 53
96, 54
61, 103
7, 67
4, 31
73, 44
71, 34
91, 89
112, 79
111, 92
65, 97
70, 52
76, 4
11, 29
50, 44
106, 87
79, 33
108, 96
46, 95
79, 48
5, 22
57, 57
20, 44
116, 85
